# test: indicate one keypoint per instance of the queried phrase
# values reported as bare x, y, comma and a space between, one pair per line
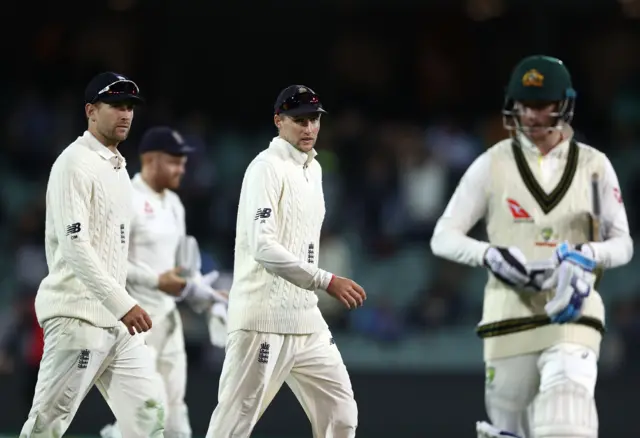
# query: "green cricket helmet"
538, 81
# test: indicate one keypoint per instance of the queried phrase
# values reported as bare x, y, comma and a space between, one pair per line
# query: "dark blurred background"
414, 91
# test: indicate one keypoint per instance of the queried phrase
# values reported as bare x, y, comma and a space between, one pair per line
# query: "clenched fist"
350, 293
137, 320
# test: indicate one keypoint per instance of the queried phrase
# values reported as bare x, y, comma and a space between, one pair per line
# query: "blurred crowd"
407, 115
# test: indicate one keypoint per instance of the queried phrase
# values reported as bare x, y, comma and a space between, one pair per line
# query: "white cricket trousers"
257, 364
544, 395
78, 355
166, 344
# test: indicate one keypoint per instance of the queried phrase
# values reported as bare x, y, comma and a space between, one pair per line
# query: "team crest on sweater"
547, 237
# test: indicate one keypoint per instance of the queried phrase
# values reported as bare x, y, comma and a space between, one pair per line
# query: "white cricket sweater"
157, 226
88, 210
495, 188
280, 217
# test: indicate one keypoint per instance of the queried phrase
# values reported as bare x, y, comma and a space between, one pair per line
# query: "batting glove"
507, 265
486, 430
217, 316
581, 255
573, 287
541, 275
201, 296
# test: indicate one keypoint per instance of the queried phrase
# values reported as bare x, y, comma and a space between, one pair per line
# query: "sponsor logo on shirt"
263, 213
519, 214
73, 230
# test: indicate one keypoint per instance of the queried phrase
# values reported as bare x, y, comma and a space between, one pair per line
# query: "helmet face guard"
563, 115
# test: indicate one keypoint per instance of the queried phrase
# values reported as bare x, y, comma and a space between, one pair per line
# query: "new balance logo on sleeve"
263, 213
73, 230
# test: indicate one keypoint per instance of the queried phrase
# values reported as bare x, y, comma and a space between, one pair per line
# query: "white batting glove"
581, 255
201, 296
211, 277
541, 275
507, 265
217, 316
572, 289
486, 430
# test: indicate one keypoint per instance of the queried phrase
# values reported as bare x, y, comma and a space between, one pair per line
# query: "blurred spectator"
442, 303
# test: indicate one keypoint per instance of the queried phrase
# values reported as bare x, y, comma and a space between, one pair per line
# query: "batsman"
555, 220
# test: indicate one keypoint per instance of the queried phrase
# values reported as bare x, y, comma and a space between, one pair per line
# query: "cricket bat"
596, 211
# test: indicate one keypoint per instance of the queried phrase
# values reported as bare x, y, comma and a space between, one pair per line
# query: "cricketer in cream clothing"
276, 331
79, 304
534, 191
158, 231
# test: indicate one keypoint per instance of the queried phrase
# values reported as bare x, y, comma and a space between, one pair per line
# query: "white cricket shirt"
280, 217
157, 226
88, 212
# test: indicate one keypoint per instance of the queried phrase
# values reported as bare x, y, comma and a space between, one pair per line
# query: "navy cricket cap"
296, 100
164, 139
112, 87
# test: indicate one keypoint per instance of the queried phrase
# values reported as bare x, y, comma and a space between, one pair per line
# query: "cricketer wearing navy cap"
109, 101
112, 87
163, 155
297, 116
273, 302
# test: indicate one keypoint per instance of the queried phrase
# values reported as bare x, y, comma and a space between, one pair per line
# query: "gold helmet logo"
533, 78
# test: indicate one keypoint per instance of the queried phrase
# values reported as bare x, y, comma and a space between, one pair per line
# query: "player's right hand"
171, 282
507, 265
347, 291
137, 320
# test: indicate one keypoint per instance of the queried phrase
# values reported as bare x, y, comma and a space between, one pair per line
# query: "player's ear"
90, 111
277, 120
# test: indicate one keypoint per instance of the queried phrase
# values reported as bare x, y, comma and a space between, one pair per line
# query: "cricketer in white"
276, 331
541, 376
81, 301
154, 278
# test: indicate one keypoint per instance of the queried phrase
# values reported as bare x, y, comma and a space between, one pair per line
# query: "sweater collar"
139, 183
558, 151
116, 158
288, 150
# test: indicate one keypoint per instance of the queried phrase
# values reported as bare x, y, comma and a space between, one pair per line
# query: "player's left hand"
573, 287
580, 255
